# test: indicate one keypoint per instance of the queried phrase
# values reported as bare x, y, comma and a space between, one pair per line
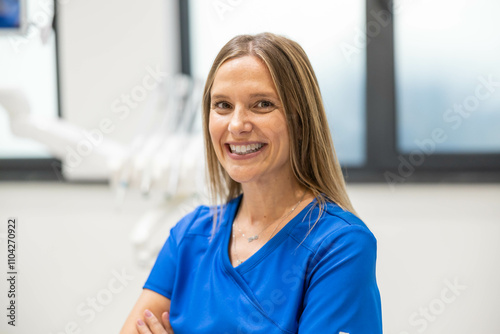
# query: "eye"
264, 104
221, 105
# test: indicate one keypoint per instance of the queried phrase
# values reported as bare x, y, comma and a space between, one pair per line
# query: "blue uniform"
324, 283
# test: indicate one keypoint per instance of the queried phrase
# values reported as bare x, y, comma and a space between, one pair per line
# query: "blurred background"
101, 152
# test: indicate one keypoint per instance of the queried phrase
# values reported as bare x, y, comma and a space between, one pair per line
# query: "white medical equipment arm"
55, 133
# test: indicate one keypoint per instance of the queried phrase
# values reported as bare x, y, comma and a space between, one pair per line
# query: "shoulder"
335, 227
197, 222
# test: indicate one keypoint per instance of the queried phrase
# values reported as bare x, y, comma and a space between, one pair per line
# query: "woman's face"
247, 123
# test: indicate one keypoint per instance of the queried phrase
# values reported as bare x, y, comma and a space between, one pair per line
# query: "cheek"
212, 129
215, 129
280, 133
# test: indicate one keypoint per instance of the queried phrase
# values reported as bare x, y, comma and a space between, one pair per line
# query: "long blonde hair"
312, 155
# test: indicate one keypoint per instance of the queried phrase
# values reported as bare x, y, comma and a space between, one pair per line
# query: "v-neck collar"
266, 249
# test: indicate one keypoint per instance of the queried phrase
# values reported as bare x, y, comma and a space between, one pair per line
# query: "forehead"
248, 72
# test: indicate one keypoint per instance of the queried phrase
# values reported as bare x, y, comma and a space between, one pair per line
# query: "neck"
265, 204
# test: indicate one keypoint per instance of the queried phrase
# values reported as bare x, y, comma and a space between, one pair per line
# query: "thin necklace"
255, 237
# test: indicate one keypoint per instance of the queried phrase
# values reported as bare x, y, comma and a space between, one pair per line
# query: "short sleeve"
162, 276
342, 294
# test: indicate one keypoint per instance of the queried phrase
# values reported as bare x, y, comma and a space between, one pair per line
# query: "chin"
241, 177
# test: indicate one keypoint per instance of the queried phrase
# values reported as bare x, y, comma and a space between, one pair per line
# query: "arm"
150, 300
342, 295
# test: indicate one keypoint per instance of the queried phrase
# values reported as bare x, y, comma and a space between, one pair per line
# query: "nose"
240, 122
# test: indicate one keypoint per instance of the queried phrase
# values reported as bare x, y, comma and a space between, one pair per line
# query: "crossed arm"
158, 307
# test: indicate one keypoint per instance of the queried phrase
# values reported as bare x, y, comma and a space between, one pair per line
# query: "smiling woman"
283, 251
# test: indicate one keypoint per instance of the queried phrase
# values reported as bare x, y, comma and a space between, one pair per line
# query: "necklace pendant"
239, 262
255, 237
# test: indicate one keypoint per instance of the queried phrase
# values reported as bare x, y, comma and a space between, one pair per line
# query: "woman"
286, 252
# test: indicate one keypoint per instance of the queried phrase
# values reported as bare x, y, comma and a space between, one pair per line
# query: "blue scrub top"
324, 283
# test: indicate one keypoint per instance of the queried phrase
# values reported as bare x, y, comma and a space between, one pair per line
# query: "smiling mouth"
245, 149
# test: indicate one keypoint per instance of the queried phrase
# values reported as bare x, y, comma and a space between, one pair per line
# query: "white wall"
106, 49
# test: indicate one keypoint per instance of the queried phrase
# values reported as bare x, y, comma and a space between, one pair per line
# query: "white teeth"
245, 149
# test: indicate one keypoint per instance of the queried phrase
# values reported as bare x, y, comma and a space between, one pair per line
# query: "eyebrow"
269, 95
